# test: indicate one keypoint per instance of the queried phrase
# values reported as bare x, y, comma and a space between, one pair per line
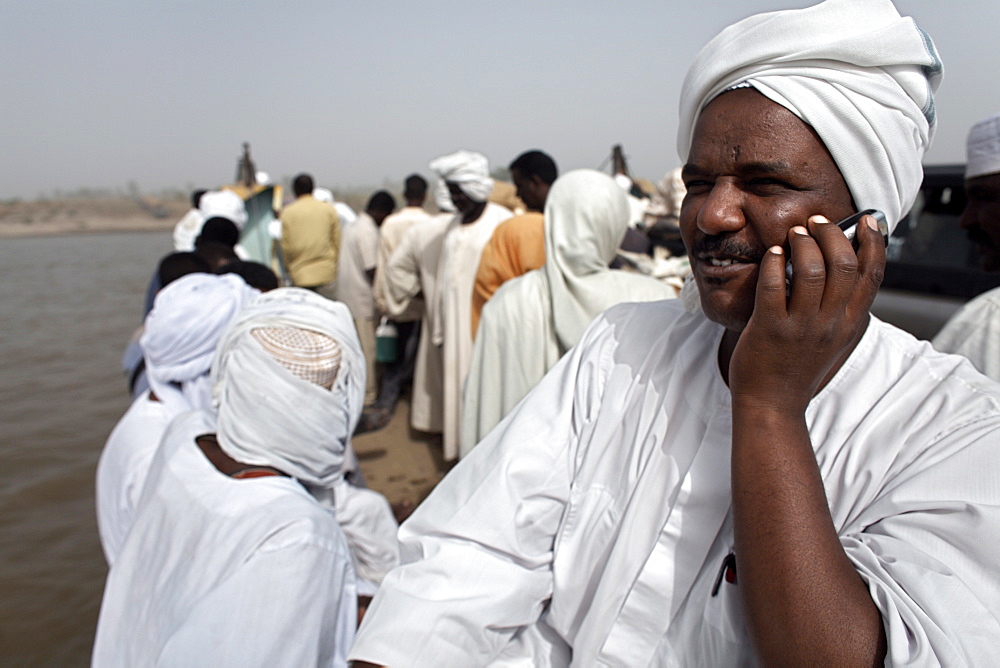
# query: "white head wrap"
862, 76
983, 148
469, 170
344, 212
270, 416
442, 198
181, 333
323, 195
225, 204
586, 215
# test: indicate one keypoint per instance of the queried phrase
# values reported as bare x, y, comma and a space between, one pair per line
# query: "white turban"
442, 198
181, 332
225, 204
268, 415
467, 169
983, 148
862, 76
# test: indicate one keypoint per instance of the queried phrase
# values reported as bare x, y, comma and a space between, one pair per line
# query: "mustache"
725, 245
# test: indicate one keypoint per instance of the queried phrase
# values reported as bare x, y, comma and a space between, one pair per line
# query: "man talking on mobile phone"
754, 476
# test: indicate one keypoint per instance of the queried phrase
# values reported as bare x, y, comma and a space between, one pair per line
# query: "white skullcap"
323, 195
862, 76
225, 204
313, 357
181, 332
262, 178
442, 198
467, 169
272, 408
983, 148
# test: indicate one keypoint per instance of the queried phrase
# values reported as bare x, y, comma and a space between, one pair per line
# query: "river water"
68, 305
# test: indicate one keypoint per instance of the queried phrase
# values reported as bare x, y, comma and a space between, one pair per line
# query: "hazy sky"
163, 93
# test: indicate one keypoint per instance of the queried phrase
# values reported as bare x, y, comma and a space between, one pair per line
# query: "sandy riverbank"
76, 215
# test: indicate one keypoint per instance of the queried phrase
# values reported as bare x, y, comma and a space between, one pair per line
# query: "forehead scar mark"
735, 151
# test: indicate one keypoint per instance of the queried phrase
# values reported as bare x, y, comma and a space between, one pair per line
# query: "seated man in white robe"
974, 331
178, 343
772, 477
232, 561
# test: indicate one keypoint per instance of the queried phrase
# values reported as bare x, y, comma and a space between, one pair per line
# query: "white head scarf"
269, 416
181, 333
983, 148
862, 76
469, 170
225, 204
586, 215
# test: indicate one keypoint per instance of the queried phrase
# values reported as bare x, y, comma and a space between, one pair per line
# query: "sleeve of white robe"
402, 276
928, 554
367, 521
477, 553
283, 579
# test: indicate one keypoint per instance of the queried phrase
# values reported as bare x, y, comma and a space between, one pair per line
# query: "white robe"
187, 230
974, 331
451, 323
391, 234
122, 469
533, 320
411, 277
224, 572
595, 516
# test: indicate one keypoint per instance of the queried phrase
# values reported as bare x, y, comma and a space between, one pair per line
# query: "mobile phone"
849, 226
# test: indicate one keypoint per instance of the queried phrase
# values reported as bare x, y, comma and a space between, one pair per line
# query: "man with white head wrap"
774, 479
531, 321
224, 204
467, 176
178, 342
974, 331
232, 560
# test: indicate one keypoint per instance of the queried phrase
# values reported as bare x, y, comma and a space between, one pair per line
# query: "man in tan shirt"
310, 239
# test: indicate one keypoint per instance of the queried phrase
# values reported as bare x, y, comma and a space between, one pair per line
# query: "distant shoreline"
86, 215
22, 231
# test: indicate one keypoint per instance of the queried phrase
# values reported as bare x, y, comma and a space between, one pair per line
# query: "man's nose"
722, 210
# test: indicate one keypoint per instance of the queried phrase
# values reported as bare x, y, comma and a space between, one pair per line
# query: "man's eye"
697, 184
769, 184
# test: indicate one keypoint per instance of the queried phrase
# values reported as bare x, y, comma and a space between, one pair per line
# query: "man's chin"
722, 308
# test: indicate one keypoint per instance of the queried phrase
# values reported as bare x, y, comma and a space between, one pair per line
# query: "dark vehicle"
932, 268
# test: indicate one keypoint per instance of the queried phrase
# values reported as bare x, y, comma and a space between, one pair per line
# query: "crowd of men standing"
758, 471
227, 363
